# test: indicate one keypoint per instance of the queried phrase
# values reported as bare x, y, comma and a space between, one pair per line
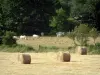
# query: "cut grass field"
61, 42
47, 63
50, 43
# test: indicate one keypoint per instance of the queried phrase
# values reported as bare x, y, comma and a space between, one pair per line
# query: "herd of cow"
58, 34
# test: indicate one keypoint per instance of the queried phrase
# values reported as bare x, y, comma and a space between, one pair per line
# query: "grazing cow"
59, 34
15, 37
23, 37
42, 34
35, 36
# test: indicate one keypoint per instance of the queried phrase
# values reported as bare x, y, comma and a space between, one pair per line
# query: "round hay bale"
64, 56
25, 59
82, 50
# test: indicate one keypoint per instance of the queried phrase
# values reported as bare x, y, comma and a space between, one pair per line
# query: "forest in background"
48, 16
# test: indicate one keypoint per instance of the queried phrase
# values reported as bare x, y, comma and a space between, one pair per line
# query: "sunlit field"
47, 63
61, 42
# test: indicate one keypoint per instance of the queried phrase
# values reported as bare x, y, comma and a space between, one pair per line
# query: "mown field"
60, 42
47, 63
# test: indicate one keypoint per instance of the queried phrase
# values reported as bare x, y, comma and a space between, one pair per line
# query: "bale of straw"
82, 50
25, 59
64, 57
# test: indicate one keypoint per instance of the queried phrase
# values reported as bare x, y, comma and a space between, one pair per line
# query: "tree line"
48, 16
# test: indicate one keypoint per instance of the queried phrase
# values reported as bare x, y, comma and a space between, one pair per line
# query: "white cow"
23, 37
35, 36
42, 34
59, 34
15, 37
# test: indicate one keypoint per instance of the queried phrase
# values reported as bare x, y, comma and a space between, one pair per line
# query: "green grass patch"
43, 48
94, 49
16, 48
25, 48
47, 48
71, 49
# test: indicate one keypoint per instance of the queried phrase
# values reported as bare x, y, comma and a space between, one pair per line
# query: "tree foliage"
94, 33
33, 16
19, 15
58, 21
85, 11
8, 38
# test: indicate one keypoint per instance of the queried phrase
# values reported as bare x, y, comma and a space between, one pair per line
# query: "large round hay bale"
82, 50
64, 56
25, 59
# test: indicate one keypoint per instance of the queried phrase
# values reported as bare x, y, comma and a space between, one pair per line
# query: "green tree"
94, 34
82, 34
85, 11
58, 21
26, 16
72, 36
8, 38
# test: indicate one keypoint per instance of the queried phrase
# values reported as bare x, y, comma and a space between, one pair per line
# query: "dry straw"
25, 58
64, 56
82, 50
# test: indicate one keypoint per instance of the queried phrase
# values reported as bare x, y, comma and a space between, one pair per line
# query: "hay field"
62, 42
47, 63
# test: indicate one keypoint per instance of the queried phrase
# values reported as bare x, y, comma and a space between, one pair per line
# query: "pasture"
47, 63
61, 42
